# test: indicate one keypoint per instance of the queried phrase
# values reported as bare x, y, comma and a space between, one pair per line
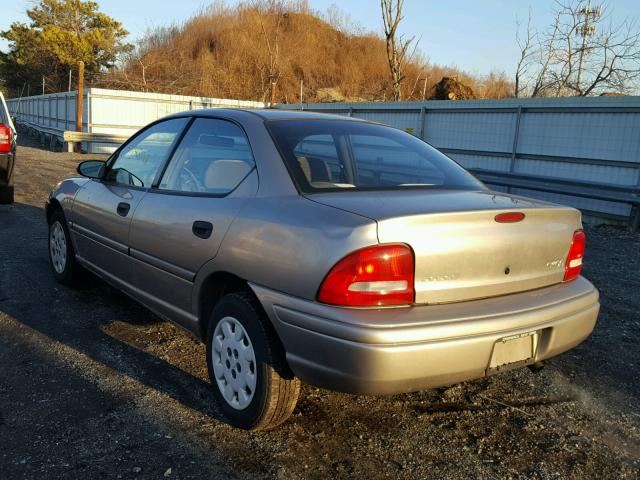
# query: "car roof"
265, 114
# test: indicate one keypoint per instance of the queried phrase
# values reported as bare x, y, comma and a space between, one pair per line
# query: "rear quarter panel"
288, 244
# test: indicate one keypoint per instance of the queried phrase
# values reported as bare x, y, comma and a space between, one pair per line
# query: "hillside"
237, 52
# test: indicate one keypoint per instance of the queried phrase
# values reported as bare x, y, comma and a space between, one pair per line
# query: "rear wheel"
62, 256
247, 367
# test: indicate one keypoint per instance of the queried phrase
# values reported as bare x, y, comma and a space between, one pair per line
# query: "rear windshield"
343, 154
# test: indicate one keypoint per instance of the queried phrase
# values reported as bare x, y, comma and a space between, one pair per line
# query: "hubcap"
234, 363
57, 247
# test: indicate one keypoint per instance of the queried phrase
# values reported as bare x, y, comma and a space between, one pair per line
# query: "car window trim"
156, 183
114, 156
304, 188
201, 194
163, 167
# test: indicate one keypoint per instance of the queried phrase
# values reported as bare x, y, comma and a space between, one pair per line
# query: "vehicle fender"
64, 194
287, 244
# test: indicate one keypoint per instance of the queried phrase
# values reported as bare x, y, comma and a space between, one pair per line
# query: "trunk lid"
461, 251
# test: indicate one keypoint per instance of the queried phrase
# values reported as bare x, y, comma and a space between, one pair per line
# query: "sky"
475, 35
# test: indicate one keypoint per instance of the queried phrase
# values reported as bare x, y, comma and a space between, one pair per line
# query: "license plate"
513, 351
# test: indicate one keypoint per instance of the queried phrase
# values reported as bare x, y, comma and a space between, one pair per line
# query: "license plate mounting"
513, 351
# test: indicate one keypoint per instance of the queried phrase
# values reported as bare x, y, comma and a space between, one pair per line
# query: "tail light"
373, 276
573, 266
509, 217
5, 138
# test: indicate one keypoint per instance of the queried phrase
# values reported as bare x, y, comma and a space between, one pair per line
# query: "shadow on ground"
94, 385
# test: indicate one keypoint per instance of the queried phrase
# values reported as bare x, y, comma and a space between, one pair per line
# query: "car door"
180, 223
103, 209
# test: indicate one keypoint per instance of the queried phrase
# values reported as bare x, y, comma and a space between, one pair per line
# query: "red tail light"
573, 266
372, 276
5, 138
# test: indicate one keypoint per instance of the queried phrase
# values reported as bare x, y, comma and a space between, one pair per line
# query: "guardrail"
71, 137
592, 190
50, 135
109, 111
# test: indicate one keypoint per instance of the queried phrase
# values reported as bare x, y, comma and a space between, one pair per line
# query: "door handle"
202, 229
123, 209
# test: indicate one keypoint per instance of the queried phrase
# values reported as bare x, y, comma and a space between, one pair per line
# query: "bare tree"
545, 54
397, 45
272, 13
582, 53
525, 44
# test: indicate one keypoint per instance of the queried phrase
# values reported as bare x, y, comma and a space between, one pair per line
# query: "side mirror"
91, 169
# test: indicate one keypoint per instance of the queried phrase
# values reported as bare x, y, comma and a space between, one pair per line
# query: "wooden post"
423, 121
273, 94
79, 103
301, 92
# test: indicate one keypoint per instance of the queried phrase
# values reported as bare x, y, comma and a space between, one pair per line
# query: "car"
304, 247
8, 139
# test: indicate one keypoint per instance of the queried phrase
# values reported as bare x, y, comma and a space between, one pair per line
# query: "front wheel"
62, 256
247, 367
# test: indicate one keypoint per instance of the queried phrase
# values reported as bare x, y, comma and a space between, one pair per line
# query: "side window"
384, 162
213, 157
318, 158
139, 161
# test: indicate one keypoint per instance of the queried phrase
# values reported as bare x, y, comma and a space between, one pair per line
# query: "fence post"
516, 131
79, 99
66, 119
89, 111
423, 119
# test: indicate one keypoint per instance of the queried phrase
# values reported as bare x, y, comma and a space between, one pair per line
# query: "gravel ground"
94, 386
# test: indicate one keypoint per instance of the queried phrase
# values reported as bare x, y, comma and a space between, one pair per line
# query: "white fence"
587, 140
108, 111
583, 140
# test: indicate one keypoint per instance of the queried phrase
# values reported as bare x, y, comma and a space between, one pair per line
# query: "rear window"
342, 154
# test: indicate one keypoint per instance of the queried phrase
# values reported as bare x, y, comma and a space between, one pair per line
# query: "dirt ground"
94, 386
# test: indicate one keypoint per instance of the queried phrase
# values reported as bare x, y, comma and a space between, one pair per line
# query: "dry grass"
237, 52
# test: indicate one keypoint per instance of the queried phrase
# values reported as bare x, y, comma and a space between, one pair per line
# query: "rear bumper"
395, 350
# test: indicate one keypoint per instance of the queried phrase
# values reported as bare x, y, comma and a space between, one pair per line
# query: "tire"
6, 194
62, 256
257, 397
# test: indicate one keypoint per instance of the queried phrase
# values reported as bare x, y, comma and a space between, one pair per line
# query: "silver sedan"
317, 248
